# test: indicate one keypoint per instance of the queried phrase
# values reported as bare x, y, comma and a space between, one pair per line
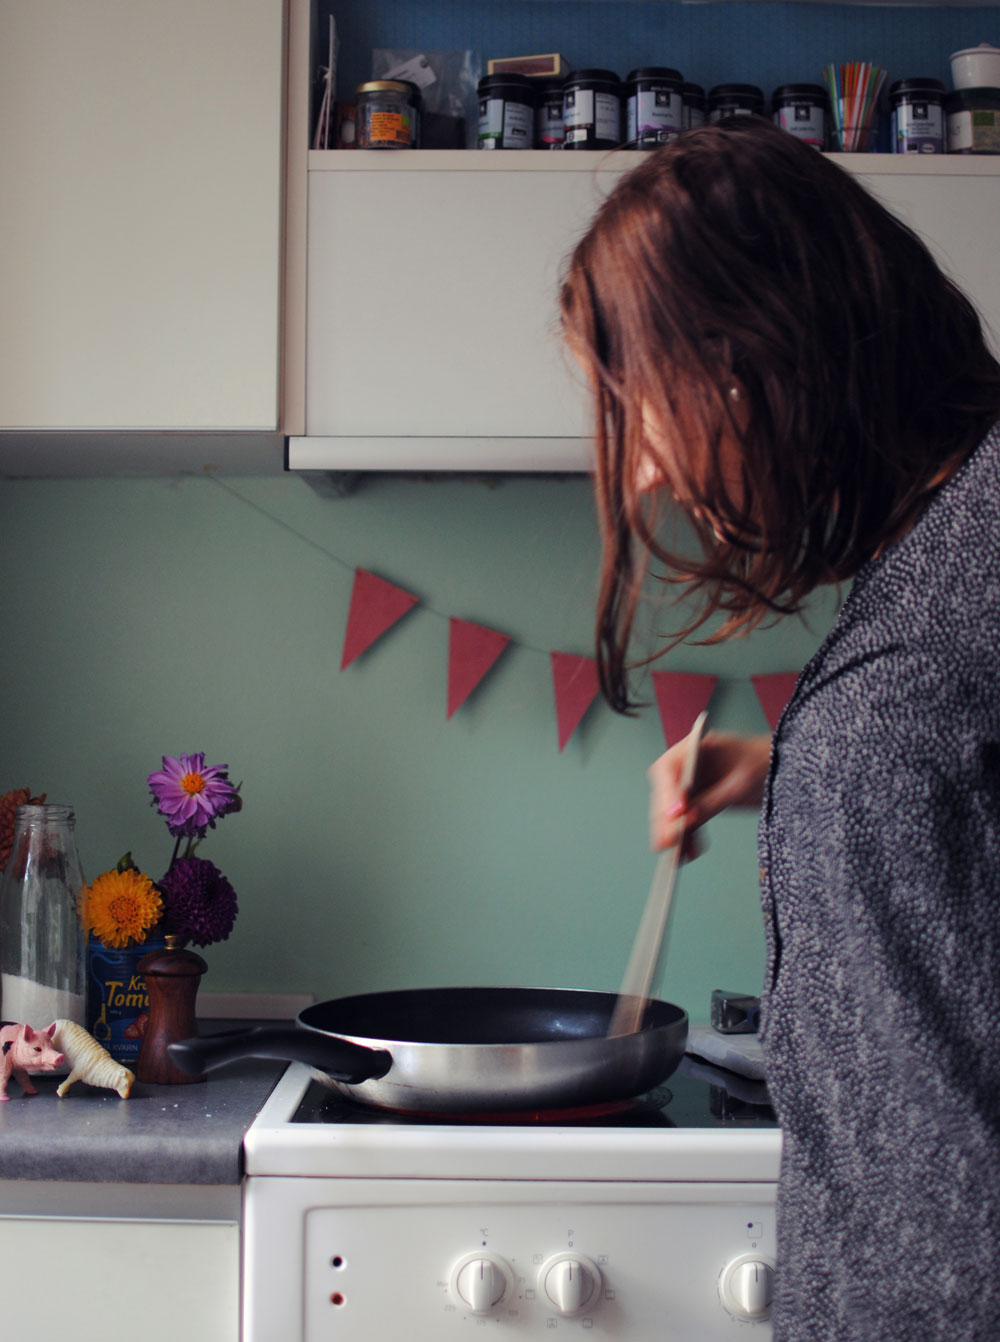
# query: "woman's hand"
731, 771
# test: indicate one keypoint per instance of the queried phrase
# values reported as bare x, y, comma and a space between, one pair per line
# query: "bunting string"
474, 649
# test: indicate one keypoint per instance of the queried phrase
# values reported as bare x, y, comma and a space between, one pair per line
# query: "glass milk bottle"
42, 946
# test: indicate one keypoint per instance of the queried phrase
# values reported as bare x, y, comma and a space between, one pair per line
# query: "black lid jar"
387, 115
550, 131
592, 109
506, 112
654, 106
734, 100
917, 111
973, 121
693, 98
803, 110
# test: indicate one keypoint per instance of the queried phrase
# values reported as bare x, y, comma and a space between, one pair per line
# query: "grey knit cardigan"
880, 872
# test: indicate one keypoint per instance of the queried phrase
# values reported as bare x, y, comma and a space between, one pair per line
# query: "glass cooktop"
697, 1095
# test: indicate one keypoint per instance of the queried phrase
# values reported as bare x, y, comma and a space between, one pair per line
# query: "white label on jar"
917, 128
653, 115
693, 117
607, 117
591, 115
806, 121
504, 125
518, 125
977, 131
490, 122
549, 128
959, 131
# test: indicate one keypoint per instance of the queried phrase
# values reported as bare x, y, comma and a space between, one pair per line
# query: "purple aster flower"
192, 797
199, 904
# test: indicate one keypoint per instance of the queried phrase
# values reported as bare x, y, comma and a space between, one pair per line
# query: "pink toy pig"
22, 1047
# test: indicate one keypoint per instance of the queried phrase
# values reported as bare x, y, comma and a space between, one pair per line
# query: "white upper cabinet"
140, 266
432, 281
432, 298
954, 204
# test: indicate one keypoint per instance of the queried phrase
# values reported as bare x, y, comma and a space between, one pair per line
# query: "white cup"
976, 67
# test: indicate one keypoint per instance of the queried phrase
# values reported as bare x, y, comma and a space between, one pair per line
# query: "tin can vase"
117, 997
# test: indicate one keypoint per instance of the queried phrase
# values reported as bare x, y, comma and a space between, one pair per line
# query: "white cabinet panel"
958, 216
433, 303
140, 235
432, 336
91, 1279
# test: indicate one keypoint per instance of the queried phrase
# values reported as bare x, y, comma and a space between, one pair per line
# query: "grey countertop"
184, 1134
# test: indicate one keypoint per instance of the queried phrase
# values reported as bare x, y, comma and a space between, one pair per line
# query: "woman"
773, 351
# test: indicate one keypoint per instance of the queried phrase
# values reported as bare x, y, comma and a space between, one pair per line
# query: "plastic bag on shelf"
448, 83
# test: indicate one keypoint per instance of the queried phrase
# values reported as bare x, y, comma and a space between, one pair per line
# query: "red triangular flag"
576, 685
375, 605
774, 692
680, 697
472, 650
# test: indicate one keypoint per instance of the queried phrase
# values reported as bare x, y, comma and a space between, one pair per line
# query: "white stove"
653, 1223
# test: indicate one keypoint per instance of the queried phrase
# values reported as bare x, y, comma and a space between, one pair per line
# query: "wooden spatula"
648, 946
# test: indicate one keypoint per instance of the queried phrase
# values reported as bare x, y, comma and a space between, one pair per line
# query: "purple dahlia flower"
191, 796
199, 904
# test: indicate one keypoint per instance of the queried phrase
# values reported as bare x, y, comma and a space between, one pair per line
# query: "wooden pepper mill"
172, 976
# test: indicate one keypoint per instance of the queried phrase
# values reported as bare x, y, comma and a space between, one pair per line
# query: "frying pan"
464, 1050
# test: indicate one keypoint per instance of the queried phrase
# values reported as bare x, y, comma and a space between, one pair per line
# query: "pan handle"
341, 1059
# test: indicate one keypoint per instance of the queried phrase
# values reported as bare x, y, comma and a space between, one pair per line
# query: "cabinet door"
432, 335
956, 214
92, 1279
140, 231
433, 302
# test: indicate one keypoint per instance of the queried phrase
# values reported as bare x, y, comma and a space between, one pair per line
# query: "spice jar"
973, 120
734, 100
550, 130
592, 110
42, 955
802, 110
506, 112
693, 99
387, 115
917, 107
654, 110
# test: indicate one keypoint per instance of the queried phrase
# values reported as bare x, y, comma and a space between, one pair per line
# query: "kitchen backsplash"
381, 844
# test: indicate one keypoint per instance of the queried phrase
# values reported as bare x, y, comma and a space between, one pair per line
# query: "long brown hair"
738, 257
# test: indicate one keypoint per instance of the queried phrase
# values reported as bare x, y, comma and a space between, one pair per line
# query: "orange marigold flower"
120, 907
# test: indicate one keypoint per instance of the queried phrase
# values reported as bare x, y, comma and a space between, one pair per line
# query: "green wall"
380, 845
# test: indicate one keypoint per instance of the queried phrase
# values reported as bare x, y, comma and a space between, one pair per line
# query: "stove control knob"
746, 1287
570, 1282
481, 1282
